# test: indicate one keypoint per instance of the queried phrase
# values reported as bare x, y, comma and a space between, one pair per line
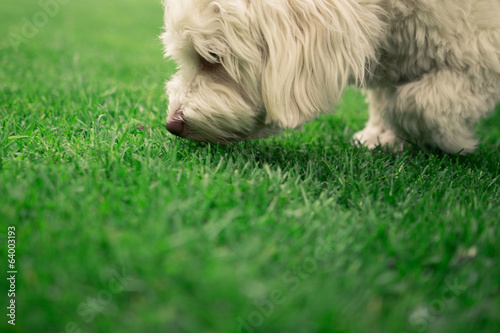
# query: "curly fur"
248, 68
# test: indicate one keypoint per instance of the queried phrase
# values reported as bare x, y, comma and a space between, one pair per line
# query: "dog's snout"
176, 126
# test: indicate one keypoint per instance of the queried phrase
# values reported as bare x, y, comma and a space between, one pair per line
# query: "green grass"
123, 228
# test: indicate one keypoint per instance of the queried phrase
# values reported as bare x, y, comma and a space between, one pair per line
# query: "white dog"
248, 68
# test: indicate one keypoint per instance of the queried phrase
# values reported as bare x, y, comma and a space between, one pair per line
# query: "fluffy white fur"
248, 68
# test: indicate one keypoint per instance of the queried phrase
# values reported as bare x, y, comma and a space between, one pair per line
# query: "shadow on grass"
317, 148
290, 152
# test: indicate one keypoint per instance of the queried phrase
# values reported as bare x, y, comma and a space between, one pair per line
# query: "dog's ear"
312, 50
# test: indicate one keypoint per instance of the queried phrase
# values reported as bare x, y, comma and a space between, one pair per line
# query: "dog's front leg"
376, 132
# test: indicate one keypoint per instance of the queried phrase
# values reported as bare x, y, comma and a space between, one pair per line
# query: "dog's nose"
176, 126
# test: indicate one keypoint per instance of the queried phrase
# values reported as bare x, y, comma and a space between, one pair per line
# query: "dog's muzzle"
176, 125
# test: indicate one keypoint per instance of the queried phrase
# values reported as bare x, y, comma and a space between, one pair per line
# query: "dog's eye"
214, 57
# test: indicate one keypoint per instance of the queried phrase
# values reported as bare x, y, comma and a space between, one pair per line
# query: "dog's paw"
374, 137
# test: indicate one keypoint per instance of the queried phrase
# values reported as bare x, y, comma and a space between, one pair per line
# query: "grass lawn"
122, 228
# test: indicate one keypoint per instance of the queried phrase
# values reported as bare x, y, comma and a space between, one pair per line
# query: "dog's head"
250, 68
